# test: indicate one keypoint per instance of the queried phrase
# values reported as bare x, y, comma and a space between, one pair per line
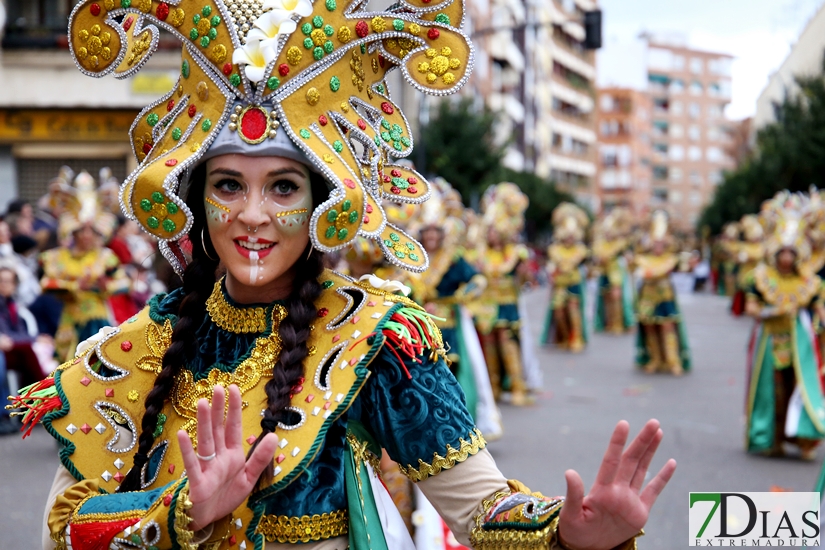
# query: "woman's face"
785, 259
85, 239
257, 214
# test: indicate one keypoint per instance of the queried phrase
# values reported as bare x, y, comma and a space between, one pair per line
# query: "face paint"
217, 212
253, 267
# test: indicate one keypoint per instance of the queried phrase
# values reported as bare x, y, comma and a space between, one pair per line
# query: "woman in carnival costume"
728, 251
661, 343
564, 324
248, 411
785, 399
614, 299
750, 253
497, 257
83, 274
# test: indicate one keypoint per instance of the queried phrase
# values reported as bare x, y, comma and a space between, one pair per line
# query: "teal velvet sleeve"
413, 418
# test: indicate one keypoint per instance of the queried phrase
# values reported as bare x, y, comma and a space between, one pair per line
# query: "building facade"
689, 90
624, 159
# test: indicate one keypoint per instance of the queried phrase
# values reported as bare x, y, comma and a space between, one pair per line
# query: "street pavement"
702, 415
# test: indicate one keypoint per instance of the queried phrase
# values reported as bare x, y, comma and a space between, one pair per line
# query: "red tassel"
97, 535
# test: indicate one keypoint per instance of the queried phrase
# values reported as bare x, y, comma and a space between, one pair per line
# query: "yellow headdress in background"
569, 221
786, 213
503, 206
313, 70
79, 205
752, 229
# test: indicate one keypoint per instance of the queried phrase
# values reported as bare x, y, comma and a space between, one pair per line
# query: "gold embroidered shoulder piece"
450, 458
793, 291
654, 267
567, 258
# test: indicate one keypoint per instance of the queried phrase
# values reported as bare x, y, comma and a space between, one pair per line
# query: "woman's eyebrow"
226, 172
286, 170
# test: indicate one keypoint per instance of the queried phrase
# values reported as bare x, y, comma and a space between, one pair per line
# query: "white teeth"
249, 245
253, 239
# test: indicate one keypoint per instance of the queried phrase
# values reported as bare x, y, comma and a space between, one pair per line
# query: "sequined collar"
232, 317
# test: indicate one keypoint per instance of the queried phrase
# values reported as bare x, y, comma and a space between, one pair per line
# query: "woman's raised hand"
220, 476
616, 507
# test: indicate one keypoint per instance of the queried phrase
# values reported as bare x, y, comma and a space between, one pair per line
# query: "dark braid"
198, 282
294, 332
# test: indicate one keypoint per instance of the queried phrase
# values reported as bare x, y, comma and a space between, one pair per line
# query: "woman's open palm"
616, 507
220, 484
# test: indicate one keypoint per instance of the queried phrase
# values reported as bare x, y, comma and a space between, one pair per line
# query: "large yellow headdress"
569, 221
312, 70
786, 213
79, 204
503, 206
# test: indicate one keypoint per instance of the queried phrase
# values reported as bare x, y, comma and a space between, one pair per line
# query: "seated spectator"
29, 285
16, 341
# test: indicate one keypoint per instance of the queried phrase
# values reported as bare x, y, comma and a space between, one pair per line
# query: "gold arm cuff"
287, 530
453, 457
185, 536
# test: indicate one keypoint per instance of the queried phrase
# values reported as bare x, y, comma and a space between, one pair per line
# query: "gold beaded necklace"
231, 318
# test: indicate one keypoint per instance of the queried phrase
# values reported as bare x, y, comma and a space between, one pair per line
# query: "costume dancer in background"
615, 295
749, 254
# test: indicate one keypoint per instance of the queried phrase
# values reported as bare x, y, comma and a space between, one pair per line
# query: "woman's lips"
262, 247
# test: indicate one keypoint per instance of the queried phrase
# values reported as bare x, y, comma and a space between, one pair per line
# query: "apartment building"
689, 90
624, 160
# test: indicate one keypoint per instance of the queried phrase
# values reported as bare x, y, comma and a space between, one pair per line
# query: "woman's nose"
253, 213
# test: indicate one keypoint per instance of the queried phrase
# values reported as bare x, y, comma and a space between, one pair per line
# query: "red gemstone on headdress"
412, 190
362, 124
366, 219
227, 69
387, 108
170, 105
395, 190
322, 120
412, 181
127, 23
432, 34
381, 60
163, 11
349, 183
126, 345
110, 392
396, 173
147, 147
253, 124
283, 69
192, 111
119, 477
387, 179
171, 162
323, 312
167, 500
95, 9
369, 208
362, 29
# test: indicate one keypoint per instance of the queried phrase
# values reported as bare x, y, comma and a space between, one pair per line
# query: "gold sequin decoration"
133, 396
144, 5
109, 4
176, 17
344, 35
293, 55
203, 91
185, 536
219, 53
313, 96
139, 48
158, 340
415, 29
374, 65
378, 24
232, 319
287, 530
247, 375
358, 74
453, 457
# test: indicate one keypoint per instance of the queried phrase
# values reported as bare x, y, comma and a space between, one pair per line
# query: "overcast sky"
758, 33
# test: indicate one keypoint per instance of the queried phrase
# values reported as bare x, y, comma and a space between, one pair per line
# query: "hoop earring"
203, 244
311, 248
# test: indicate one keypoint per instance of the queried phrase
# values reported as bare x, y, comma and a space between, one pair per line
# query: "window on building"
678, 63
609, 156
696, 88
716, 177
694, 110
677, 86
696, 178
697, 66
660, 194
721, 66
713, 133
677, 152
660, 128
607, 179
677, 131
660, 173
695, 198
606, 103
694, 132
714, 112
660, 106
36, 24
676, 175
642, 113
715, 154
694, 153
675, 197
677, 108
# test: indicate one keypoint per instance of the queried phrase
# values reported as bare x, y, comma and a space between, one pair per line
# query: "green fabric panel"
642, 355
761, 421
465, 376
628, 298
365, 531
820, 483
599, 316
807, 378
548, 325
684, 346
583, 310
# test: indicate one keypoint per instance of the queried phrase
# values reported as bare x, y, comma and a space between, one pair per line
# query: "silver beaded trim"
122, 373
303, 420
161, 448
344, 317
99, 407
337, 351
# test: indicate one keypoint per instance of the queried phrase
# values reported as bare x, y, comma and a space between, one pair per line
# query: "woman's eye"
228, 186
285, 187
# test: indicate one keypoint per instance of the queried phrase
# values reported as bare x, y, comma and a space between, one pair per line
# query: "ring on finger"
206, 458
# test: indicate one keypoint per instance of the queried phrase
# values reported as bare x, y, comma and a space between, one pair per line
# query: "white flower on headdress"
256, 56
270, 26
387, 285
301, 7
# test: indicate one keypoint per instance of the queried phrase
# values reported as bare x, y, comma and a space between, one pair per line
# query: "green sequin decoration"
385, 136
206, 11
306, 28
152, 119
304, 133
395, 135
193, 34
184, 69
397, 128
443, 18
213, 34
388, 243
152, 222
338, 146
146, 205
347, 205
330, 232
377, 141
332, 215
308, 43
215, 21
273, 82
159, 426
398, 24
400, 254
317, 21
205, 41
157, 196
401, 183
380, 88
169, 225
331, 5
177, 133
397, 145
353, 216
406, 141
342, 234
334, 84
395, 237
196, 18
414, 257
235, 79
411, 246
207, 124
363, 48
125, 3
328, 46
136, 538
318, 53
329, 30
172, 208
327, 284
385, 123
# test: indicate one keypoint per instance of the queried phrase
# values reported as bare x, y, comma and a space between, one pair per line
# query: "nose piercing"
248, 228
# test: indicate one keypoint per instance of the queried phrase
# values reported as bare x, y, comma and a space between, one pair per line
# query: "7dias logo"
754, 519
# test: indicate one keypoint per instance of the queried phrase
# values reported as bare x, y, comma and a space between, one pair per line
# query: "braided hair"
198, 283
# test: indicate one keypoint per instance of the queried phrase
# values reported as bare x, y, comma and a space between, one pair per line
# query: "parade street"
702, 415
